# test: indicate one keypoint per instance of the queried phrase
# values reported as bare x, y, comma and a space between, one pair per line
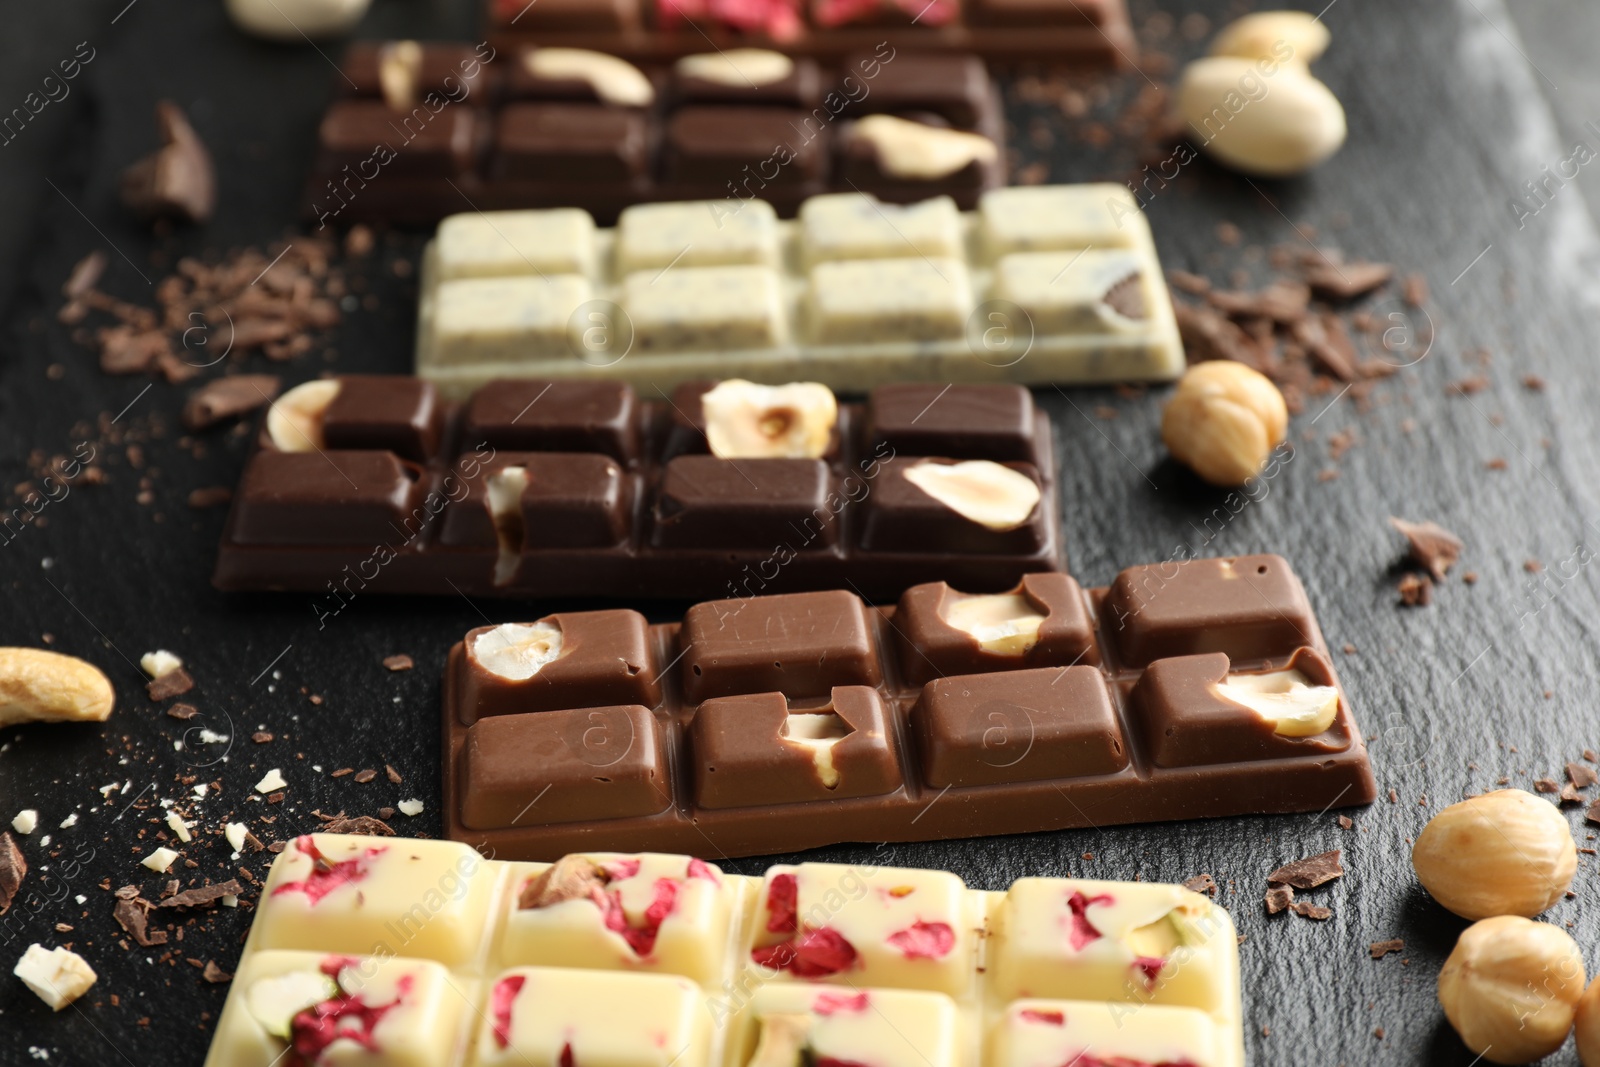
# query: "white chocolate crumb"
160, 859
178, 826
69, 822
410, 807
58, 975
25, 821
159, 663
272, 782
235, 833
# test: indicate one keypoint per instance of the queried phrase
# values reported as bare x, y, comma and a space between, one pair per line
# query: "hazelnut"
1274, 125
517, 651
1588, 1026
1286, 699
614, 81
749, 421
1224, 421
981, 490
1269, 34
294, 421
1503, 853
1510, 988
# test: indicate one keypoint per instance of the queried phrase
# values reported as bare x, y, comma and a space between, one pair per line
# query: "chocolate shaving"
132, 915
1282, 302
207, 894
1208, 334
1328, 342
173, 683
400, 662
360, 824
127, 350
1309, 872
214, 974
1278, 898
228, 398
1580, 776
1432, 546
1593, 813
363, 777
1201, 883
177, 179
1380, 949
182, 711
1333, 281
13, 869
392, 774
1307, 910
85, 275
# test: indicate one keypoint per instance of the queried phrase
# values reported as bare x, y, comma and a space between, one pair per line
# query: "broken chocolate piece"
214, 974
173, 683
1432, 546
13, 868
1580, 776
398, 663
206, 894
182, 711
1201, 883
132, 914
1380, 949
1593, 813
1309, 872
1278, 898
1416, 590
1346, 281
1307, 910
228, 398
176, 180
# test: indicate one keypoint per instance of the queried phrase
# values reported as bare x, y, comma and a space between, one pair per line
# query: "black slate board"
1496, 679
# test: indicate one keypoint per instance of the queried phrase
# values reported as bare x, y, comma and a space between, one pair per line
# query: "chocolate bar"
777, 723
393, 952
414, 138
1041, 284
1079, 32
375, 485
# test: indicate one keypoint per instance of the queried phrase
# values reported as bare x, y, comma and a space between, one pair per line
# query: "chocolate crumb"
1416, 590
1309, 872
1334, 281
1307, 910
1432, 546
1414, 290
1533, 382
132, 914
1201, 883
342, 771
1593, 813
173, 683
13, 869
400, 662
1346, 822
1547, 785
1381, 949
364, 777
1580, 776
1570, 794
214, 974
1278, 898
385, 813
261, 737
85, 275
209, 496
392, 774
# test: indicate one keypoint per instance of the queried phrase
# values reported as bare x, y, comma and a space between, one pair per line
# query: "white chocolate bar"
388, 952
853, 293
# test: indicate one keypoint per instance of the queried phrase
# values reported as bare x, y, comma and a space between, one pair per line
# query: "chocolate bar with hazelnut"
1083, 34
411, 137
412, 952
369, 484
767, 724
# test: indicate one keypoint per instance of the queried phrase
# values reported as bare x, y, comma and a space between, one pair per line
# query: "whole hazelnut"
1588, 1026
1502, 853
1511, 987
1224, 421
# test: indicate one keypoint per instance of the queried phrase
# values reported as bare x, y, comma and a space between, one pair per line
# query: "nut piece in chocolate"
748, 421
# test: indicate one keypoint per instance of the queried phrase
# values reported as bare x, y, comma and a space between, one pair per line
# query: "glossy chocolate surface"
789, 722
619, 498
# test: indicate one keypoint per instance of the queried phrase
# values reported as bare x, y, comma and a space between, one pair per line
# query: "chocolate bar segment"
570, 142
800, 645
715, 503
384, 413
362, 138
1248, 607
541, 416
1043, 622
980, 422
758, 749
595, 763
901, 514
418, 953
328, 498
573, 660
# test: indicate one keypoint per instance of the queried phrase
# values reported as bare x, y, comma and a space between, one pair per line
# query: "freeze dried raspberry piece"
327, 876
782, 902
814, 954
504, 995
1083, 931
924, 940
778, 19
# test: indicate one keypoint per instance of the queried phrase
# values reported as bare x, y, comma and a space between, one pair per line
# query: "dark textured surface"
1495, 679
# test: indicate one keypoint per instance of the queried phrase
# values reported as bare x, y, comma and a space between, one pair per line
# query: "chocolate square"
328, 498
955, 88
605, 659
1017, 726
371, 140
563, 766
1249, 607
572, 500
974, 422
900, 517
569, 143
454, 71
1184, 722
801, 89
373, 411
931, 648
744, 754
714, 145
799, 644
564, 416
706, 502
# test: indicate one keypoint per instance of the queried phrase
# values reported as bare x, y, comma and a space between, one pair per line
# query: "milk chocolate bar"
413, 138
373, 484
778, 723
393, 952
1084, 33
1040, 284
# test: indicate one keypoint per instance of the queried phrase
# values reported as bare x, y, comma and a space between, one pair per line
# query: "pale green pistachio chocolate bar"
1041, 284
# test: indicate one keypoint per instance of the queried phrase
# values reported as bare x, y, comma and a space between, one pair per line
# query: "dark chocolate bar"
425, 130
534, 488
772, 724
1081, 32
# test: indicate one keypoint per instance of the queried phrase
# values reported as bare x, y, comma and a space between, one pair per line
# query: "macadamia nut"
1224, 421
1511, 988
1503, 853
297, 20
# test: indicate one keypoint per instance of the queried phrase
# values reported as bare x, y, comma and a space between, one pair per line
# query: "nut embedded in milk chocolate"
794, 721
